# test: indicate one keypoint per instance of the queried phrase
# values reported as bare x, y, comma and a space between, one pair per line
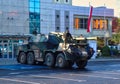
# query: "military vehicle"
53, 51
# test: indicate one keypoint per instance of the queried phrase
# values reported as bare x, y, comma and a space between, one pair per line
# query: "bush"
114, 52
105, 51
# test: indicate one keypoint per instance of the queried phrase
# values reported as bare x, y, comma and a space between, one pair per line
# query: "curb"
105, 59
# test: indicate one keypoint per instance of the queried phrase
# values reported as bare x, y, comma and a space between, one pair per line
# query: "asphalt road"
95, 73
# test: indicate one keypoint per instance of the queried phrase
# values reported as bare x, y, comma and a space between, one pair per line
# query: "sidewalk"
6, 61
100, 59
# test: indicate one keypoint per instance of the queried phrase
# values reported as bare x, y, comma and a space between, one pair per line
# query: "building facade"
22, 17
59, 15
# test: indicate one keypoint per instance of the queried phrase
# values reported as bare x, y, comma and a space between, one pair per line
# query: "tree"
116, 25
115, 28
116, 38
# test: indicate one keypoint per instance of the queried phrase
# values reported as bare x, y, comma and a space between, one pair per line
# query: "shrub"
114, 52
105, 51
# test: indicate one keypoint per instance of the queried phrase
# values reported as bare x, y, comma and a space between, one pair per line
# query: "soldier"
68, 36
90, 51
34, 32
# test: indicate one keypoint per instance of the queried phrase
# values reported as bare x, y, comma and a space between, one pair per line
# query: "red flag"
89, 20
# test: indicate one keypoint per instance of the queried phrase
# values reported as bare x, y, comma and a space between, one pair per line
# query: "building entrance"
8, 43
7, 49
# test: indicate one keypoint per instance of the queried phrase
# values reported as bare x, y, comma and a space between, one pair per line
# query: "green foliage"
118, 21
116, 38
114, 51
100, 43
105, 51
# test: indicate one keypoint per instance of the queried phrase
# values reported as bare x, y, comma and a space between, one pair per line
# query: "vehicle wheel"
22, 58
60, 61
30, 58
81, 64
50, 60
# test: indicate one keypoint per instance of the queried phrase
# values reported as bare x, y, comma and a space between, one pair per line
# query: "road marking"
15, 73
96, 76
59, 78
16, 80
111, 72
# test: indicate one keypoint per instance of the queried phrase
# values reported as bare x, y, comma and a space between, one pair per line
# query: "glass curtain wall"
34, 15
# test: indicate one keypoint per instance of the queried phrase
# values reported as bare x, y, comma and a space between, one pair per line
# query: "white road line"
59, 78
113, 73
16, 80
95, 76
15, 73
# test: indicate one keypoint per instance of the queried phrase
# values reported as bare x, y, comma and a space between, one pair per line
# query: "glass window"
67, 16
57, 16
5, 41
67, 28
32, 4
80, 23
34, 15
100, 24
76, 23
31, 9
15, 41
37, 5
37, 0
32, 0
37, 10
66, 0
57, 29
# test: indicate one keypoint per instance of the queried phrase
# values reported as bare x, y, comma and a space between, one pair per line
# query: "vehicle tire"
22, 58
30, 58
50, 60
61, 62
81, 64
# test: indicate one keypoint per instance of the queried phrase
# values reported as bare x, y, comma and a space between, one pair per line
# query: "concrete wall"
13, 16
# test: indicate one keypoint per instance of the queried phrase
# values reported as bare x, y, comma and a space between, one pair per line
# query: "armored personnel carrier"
54, 51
